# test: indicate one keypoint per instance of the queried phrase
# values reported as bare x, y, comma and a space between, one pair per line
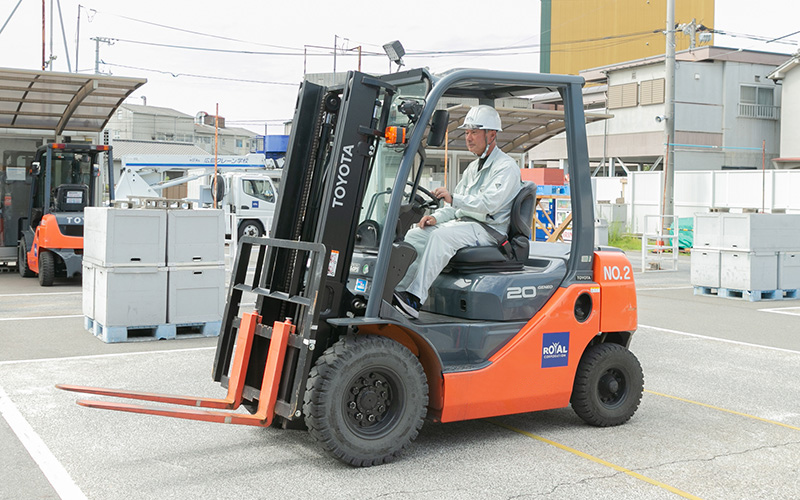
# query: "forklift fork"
244, 342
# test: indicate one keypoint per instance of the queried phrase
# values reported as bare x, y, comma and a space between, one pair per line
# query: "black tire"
365, 400
22, 260
251, 228
608, 385
47, 268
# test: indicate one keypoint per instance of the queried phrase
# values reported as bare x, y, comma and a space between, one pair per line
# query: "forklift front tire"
47, 268
608, 385
365, 400
22, 260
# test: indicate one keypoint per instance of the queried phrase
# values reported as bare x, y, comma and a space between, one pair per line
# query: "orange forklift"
541, 326
64, 182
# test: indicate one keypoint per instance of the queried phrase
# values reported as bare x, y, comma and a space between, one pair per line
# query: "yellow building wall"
587, 34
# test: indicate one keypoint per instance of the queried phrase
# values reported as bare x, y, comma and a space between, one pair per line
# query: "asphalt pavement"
720, 417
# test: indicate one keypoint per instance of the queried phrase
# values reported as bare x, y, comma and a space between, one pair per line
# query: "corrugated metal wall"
587, 34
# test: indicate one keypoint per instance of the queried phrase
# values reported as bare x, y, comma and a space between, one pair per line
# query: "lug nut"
352, 405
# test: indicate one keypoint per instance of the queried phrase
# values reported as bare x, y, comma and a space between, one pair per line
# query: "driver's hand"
443, 194
428, 220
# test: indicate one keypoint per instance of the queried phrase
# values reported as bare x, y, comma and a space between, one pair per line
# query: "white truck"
248, 185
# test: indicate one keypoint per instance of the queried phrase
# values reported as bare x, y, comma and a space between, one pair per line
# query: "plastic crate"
130, 296
125, 237
749, 270
705, 267
789, 270
196, 294
195, 237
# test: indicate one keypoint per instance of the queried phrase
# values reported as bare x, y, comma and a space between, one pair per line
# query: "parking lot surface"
720, 417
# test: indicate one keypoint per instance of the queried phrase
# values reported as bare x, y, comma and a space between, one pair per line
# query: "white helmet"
482, 117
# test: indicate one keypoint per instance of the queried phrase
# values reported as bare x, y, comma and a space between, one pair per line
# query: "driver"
485, 193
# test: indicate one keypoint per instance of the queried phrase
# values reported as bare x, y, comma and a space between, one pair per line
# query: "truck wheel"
251, 228
22, 260
608, 385
47, 268
365, 400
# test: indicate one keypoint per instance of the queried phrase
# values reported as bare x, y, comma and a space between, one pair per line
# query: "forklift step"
750, 295
169, 331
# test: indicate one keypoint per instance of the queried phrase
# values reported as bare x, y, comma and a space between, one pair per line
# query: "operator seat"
489, 259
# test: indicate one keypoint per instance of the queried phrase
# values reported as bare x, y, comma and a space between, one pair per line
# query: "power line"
199, 33
191, 75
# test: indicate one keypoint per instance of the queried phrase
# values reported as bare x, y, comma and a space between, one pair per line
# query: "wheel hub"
370, 396
612, 387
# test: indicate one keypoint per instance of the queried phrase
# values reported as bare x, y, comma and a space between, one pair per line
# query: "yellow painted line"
725, 410
599, 461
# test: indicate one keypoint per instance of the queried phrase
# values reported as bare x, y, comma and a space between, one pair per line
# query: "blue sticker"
254, 204
361, 285
555, 349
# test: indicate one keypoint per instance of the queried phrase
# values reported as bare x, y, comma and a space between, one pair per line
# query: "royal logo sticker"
555, 349
361, 285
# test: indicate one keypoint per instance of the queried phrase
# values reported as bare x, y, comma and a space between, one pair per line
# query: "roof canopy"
46, 100
522, 128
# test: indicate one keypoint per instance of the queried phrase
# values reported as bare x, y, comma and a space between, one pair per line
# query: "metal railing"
764, 111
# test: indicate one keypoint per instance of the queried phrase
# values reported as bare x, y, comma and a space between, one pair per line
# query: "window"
622, 96
651, 92
757, 102
238, 143
259, 188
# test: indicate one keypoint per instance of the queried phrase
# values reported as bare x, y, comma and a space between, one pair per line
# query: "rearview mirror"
36, 168
438, 128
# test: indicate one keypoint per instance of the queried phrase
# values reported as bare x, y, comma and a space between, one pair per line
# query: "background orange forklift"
64, 182
537, 328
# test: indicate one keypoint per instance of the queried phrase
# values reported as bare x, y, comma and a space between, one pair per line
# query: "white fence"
700, 191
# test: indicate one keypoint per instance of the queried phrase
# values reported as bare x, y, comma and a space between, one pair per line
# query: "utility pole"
97, 40
669, 113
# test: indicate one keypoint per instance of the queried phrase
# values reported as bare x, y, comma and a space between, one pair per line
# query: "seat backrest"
520, 226
71, 197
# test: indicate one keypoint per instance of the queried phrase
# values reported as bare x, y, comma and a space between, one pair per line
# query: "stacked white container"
747, 253
196, 263
149, 273
124, 270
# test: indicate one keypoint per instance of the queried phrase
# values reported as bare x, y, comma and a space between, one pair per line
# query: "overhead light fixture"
395, 51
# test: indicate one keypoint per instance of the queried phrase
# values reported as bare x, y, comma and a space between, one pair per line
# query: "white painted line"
706, 337
100, 356
41, 454
43, 317
664, 288
36, 294
783, 310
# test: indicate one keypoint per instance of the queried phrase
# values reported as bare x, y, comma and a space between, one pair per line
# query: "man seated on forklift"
478, 215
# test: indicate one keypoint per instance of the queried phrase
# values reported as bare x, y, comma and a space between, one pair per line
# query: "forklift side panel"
535, 371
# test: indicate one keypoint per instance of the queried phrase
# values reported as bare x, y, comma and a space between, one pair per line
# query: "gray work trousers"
435, 246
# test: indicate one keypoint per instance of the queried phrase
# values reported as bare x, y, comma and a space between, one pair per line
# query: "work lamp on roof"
395, 51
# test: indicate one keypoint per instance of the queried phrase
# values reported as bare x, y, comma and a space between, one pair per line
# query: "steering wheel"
432, 202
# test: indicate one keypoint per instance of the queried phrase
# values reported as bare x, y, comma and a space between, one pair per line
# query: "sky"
263, 48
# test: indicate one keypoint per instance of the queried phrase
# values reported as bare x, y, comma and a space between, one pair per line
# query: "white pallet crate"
196, 294
195, 237
125, 237
789, 270
707, 231
705, 267
748, 270
760, 232
130, 296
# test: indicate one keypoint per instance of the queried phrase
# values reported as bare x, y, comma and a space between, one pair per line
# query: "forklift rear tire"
22, 260
47, 268
365, 400
608, 385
